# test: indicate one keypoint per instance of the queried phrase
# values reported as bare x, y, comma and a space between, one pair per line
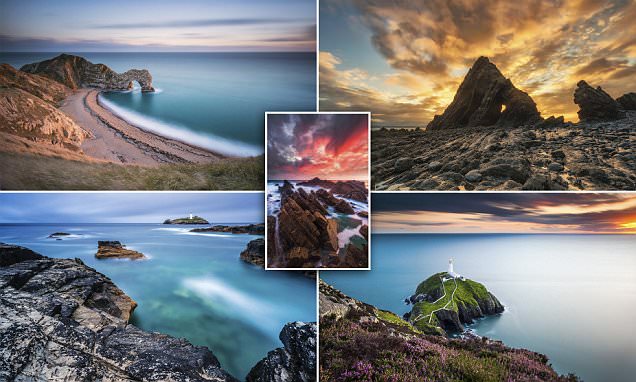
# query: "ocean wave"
207, 141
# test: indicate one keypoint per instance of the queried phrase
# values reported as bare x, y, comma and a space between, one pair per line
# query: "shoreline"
116, 140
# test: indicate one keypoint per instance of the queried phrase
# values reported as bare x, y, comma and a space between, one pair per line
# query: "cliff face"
77, 72
361, 342
28, 110
62, 320
451, 304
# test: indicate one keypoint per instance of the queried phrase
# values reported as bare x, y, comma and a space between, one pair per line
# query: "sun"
628, 225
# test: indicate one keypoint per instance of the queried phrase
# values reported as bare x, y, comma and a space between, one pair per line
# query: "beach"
114, 139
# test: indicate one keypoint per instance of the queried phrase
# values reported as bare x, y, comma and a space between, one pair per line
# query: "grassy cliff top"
187, 220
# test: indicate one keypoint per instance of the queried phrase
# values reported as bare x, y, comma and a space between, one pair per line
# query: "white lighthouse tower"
451, 272
190, 216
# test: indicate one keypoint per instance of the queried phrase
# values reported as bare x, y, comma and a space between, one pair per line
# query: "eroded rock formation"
350, 189
254, 253
487, 98
62, 320
296, 361
115, 250
627, 101
595, 104
77, 72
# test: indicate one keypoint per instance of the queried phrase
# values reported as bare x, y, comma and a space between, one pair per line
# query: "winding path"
430, 315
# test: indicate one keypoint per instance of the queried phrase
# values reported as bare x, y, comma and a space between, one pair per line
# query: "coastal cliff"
450, 303
77, 72
62, 320
361, 342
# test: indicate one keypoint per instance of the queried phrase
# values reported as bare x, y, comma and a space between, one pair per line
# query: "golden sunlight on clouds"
544, 47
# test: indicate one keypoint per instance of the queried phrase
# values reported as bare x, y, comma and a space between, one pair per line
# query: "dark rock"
344, 207
58, 234
62, 320
254, 253
537, 183
403, 164
627, 101
77, 72
473, 176
296, 361
250, 229
435, 166
595, 104
554, 166
115, 250
480, 99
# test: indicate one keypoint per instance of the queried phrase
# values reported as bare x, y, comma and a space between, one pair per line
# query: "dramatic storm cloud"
505, 213
405, 59
303, 146
157, 25
133, 207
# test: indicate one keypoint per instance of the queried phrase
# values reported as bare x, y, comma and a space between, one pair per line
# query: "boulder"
487, 98
595, 104
296, 361
254, 253
115, 250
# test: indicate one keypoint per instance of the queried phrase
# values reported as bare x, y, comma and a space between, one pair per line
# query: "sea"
571, 297
216, 101
192, 285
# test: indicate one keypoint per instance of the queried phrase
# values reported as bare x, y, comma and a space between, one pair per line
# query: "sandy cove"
115, 140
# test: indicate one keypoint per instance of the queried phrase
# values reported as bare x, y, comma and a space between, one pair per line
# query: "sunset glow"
505, 213
304, 146
405, 60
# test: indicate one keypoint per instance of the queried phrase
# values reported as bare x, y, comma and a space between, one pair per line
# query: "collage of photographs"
318, 190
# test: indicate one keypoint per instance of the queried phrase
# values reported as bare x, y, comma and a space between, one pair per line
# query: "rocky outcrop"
350, 189
627, 101
77, 72
115, 250
187, 220
254, 253
42, 87
487, 98
250, 229
296, 361
62, 320
595, 104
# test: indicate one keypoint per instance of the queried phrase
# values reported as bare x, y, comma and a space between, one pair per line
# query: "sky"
157, 25
327, 146
404, 60
584, 213
131, 207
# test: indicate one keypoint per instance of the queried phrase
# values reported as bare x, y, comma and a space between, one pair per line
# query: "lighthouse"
190, 216
451, 272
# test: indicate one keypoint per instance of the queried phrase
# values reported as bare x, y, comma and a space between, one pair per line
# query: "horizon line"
503, 233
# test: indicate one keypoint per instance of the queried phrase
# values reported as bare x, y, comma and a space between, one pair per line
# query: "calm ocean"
214, 100
571, 297
192, 286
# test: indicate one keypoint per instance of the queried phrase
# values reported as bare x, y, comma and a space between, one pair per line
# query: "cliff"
187, 220
77, 72
451, 303
28, 110
361, 342
62, 320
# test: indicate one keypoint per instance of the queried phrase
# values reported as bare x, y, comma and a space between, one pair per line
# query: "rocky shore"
386, 347
254, 253
62, 320
304, 235
116, 250
250, 229
492, 137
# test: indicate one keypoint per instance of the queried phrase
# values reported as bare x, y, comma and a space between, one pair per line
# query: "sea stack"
116, 250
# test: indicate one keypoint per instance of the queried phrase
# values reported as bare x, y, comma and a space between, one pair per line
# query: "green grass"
390, 317
35, 172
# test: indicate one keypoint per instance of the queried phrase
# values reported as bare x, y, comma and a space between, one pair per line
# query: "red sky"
328, 146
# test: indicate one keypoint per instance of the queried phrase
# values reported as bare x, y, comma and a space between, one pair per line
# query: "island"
447, 301
359, 341
58, 235
192, 219
115, 250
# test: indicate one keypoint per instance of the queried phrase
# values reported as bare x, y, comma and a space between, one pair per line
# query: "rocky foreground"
61, 320
492, 137
304, 235
359, 342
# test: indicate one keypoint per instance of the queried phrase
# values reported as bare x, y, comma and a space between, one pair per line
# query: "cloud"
196, 23
544, 46
505, 212
330, 146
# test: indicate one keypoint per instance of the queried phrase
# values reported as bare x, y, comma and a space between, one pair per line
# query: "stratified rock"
115, 250
350, 189
595, 104
42, 87
77, 72
63, 321
296, 361
480, 99
254, 253
627, 101
250, 229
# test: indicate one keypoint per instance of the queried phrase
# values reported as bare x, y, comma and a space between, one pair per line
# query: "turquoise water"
571, 297
213, 100
192, 286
